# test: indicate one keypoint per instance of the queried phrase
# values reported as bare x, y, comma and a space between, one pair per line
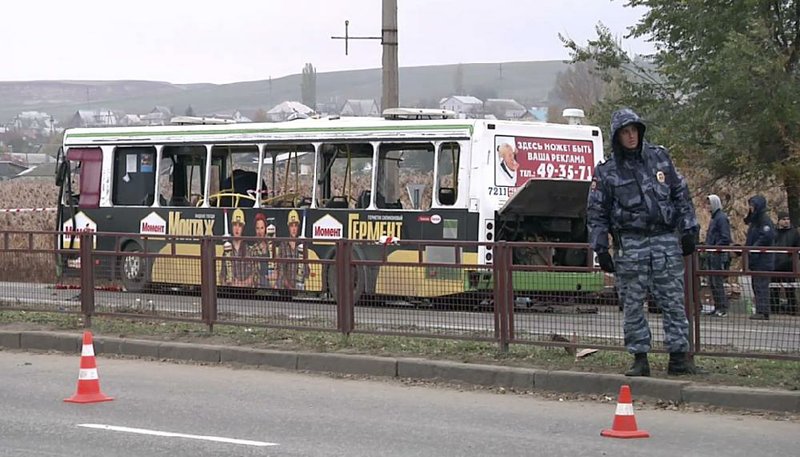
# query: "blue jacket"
637, 192
719, 230
761, 233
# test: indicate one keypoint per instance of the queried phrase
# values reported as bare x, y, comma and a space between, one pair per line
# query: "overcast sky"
240, 40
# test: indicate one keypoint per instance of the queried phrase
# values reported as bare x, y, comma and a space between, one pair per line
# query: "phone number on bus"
563, 171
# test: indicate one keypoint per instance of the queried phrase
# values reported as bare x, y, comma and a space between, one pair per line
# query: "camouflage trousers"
651, 265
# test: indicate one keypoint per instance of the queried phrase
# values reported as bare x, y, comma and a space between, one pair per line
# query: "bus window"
345, 174
287, 175
165, 181
447, 174
83, 187
134, 176
234, 176
187, 177
405, 176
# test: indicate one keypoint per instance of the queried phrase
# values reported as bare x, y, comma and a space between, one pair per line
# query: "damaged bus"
412, 174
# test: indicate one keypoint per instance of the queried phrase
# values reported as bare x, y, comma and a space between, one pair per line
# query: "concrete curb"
480, 375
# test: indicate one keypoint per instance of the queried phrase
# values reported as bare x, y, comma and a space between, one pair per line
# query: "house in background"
235, 116
43, 171
93, 118
10, 168
288, 110
504, 108
536, 114
360, 108
465, 106
33, 124
160, 115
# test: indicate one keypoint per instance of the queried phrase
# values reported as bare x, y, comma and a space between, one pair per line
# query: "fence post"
692, 302
87, 277
344, 281
501, 285
208, 282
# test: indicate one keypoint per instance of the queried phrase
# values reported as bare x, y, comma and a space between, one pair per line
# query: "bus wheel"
359, 282
134, 270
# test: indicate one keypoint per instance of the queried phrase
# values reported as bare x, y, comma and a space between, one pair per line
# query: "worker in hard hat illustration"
235, 270
265, 272
293, 274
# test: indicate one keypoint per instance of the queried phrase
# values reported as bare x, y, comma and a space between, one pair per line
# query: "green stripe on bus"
106, 134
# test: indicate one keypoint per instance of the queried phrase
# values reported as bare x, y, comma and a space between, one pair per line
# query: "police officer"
639, 198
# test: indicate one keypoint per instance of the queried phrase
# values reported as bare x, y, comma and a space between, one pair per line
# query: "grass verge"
778, 374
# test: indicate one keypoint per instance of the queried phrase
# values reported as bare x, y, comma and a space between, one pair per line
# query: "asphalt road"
734, 333
189, 410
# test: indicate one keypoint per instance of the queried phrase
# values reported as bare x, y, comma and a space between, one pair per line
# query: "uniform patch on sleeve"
660, 176
766, 228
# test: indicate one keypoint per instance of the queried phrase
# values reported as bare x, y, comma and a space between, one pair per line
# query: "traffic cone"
624, 420
88, 381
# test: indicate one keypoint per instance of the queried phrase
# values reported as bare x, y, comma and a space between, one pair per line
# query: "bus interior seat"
394, 205
447, 195
304, 202
364, 198
337, 201
240, 182
179, 200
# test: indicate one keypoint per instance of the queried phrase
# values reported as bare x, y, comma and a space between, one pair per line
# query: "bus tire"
134, 271
359, 282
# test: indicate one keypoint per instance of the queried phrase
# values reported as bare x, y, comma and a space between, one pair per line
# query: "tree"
721, 86
189, 111
260, 116
308, 87
578, 87
458, 80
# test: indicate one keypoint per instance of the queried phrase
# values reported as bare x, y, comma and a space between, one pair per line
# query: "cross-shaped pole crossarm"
347, 37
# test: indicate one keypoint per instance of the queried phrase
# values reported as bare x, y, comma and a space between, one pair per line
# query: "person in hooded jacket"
786, 235
719, 234
639, 198
760, 234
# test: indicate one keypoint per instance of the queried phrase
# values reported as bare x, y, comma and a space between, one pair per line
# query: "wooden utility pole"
390, 78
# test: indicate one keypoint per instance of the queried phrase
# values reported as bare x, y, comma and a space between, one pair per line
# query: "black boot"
640, 367
679, 364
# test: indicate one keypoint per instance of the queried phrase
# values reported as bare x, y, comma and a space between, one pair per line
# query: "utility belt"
650, 231
639, 232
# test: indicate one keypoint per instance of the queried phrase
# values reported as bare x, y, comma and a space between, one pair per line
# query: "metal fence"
408, 288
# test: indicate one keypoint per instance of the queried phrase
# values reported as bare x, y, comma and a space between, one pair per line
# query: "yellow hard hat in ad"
293, 218
238, 217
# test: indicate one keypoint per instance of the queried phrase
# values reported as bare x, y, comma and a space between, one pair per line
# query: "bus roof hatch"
548, 198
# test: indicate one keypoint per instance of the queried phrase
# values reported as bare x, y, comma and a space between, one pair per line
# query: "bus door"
80, 178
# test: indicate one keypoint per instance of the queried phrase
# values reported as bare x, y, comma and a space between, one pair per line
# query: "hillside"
528, 82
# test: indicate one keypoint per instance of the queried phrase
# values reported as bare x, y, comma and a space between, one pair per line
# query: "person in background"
789, 237
639, 198
760, 234
719, 234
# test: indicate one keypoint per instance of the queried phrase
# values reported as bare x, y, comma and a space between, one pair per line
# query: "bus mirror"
62, 172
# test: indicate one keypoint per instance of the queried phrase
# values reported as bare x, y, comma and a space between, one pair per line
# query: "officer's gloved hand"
606, 262
687, 244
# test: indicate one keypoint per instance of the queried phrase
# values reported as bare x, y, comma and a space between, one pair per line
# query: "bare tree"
578, 87
260, 116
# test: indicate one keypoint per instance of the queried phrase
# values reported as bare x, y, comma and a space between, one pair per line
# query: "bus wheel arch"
360, 278
134, 271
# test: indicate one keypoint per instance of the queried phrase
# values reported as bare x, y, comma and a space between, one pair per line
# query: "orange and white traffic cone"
88, 381
624, 420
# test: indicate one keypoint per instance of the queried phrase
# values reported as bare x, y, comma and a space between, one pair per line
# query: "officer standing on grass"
639, 198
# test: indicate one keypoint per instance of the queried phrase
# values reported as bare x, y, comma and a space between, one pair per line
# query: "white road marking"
143, 431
